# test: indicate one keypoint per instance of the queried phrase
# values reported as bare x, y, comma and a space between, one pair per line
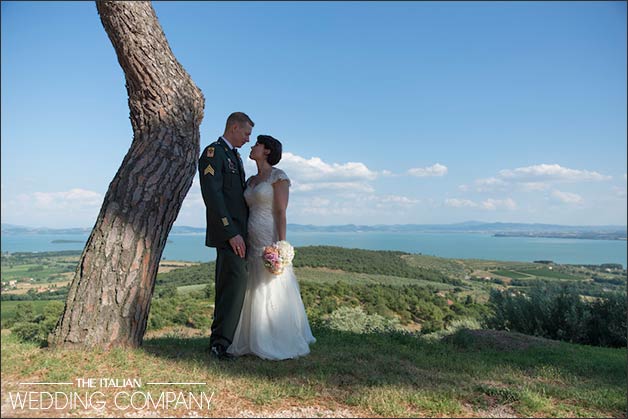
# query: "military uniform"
222, 180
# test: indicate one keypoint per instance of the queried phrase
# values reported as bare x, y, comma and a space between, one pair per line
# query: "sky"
389, 112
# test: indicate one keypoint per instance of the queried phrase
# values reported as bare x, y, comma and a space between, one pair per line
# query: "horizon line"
363, 225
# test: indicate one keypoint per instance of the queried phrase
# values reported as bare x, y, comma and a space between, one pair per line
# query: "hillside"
479, 374
397, 335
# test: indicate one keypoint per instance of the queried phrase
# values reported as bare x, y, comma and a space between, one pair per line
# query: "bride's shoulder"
278, 174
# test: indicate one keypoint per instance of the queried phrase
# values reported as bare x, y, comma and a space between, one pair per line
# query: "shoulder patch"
210, 151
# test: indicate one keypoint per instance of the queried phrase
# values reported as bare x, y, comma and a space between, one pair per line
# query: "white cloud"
534, 186
458, 203
72, 208
489, 204
315, 169
332, 186
494, 204
352, 208
550, 172
485, 185
194, 198
567, 197
388, 201
434, 170
70, 200
531, 179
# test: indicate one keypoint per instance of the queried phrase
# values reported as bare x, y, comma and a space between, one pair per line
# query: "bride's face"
258, 152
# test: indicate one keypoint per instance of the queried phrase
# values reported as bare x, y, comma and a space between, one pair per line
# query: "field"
429, 359
512, 274
8, 308
465, 374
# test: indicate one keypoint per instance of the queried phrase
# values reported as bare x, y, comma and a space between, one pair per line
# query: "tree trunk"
109, 298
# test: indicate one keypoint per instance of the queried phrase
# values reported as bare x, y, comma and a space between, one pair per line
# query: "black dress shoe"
219, 351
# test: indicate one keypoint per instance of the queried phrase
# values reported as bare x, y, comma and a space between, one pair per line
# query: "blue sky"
389, 112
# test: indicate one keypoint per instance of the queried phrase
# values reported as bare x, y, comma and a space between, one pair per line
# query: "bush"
182, 310
558, 312
29, 332
354, 319
30, 327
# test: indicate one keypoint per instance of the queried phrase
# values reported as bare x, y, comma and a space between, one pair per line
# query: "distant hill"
17, 229
465, 227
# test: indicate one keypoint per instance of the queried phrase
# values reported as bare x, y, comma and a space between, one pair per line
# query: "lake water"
190, 247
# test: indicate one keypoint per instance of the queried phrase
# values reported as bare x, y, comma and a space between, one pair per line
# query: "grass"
549, 273
36, 271
186, 289
366, 375
8, 308
331, 276
511, 274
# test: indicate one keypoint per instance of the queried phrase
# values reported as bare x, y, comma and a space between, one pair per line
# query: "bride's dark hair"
272, 144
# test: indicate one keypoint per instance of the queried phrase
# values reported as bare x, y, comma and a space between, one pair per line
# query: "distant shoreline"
579, 235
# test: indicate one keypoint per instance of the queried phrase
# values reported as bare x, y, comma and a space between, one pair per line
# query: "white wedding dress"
273, 323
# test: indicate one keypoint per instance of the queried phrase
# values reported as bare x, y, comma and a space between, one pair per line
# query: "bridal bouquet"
277, 256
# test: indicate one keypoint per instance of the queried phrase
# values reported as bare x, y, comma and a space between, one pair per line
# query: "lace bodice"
259, 198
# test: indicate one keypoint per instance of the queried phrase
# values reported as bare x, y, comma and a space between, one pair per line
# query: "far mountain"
464, 227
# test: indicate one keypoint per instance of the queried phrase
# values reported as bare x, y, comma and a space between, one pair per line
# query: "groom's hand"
238, 246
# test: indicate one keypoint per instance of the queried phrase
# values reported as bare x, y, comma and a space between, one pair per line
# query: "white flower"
286, 252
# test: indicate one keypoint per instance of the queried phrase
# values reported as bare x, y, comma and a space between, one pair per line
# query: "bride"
273, 324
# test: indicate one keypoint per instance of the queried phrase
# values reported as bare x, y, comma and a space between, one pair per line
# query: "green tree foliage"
191, 310
33, 327
408, 303
59, 293
558, 312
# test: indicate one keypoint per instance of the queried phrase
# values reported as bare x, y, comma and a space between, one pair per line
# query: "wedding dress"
273, 323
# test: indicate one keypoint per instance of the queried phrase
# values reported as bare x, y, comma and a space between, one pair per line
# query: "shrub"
558, 312
30, 327
354, 319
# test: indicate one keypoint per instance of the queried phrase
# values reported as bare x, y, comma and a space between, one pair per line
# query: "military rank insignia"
210, 151
209, 169
225, 222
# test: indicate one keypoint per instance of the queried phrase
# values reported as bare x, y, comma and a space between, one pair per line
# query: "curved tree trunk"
109, 298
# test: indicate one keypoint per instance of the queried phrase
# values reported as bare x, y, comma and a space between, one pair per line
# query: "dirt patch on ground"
298, 412
170, 265
496, 411
24, 287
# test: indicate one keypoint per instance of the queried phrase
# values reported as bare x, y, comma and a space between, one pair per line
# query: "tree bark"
109, 298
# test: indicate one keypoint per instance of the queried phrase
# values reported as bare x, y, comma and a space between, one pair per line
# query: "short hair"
239, 118
272, 144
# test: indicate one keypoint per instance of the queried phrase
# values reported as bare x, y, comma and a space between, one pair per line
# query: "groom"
222, 180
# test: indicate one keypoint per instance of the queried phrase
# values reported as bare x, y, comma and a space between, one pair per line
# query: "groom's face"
241, 134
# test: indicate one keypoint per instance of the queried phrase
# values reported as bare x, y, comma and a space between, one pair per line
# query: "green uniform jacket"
222, 185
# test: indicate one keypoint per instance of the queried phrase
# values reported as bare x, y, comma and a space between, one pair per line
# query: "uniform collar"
227, 142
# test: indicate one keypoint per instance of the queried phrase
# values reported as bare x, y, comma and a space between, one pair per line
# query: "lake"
190, 247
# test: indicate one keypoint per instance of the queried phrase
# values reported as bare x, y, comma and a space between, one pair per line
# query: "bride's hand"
238, 245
